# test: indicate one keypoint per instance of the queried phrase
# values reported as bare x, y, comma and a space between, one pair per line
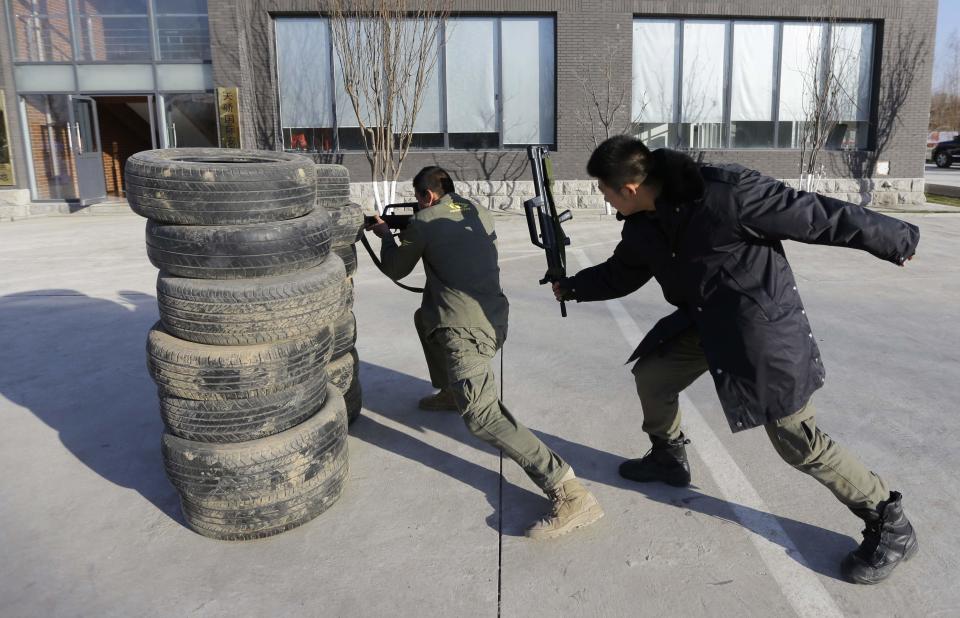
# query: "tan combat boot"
439, 402
573, 507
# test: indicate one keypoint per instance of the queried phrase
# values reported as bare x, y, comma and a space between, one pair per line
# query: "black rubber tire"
247, 311
344, 334
348, 253
943, 160
346, 224
214, 186
333, 185
353, 399
262, 487
240, 420
199, 371
240, 251
348, 294
343, 371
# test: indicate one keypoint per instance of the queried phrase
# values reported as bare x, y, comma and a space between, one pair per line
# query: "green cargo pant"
459, 360
796, 438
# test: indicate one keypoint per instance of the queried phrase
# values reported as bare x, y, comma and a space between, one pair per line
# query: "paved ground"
936, 176
89, 526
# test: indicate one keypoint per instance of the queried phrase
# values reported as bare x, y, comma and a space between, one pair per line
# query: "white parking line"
784, 561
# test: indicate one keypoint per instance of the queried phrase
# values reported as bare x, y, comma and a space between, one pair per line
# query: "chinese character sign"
228, 117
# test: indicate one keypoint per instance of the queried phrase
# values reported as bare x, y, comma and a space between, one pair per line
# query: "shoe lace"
557, 497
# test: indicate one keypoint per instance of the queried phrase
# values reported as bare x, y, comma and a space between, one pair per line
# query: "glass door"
85, 136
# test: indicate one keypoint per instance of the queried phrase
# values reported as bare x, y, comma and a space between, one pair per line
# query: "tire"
239, 251
353, 399
262, 487
346, 224
213, 186
942, 159
343, 372
348, 294
249, 311
241, 420
344, 375
348, 253
344, 334
199, 371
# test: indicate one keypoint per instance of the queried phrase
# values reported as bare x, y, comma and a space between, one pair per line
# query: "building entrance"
126, 127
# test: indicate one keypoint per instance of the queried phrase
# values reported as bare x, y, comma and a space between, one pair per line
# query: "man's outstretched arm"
770, 209
620, 275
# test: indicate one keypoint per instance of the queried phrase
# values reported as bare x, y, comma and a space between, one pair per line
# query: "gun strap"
376, 260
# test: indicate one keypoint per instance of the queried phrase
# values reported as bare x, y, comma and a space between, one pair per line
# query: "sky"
948, 20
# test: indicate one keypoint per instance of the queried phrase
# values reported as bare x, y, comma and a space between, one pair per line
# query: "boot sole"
586, 518
672, 483
910, 553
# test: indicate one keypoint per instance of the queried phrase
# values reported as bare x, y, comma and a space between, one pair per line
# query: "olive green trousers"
459, 360
796, 438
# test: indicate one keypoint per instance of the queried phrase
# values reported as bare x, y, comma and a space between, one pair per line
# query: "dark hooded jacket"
714, 244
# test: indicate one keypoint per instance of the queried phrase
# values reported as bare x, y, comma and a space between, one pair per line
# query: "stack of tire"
248, 291
346, 225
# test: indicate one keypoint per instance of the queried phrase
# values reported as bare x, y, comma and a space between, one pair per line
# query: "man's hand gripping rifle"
542, 211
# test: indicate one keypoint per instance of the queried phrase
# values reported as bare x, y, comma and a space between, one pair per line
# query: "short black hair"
433, 178
619, 160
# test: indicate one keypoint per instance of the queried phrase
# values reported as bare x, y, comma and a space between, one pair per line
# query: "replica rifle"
543, 221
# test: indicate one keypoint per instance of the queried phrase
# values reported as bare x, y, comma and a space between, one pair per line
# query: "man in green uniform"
462, 322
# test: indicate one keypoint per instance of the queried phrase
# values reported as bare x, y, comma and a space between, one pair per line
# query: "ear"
630, 189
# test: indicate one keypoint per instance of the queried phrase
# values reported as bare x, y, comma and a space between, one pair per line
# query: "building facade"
88, 82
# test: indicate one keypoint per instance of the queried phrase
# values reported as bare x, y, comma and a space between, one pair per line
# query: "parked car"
935, 137
945, 153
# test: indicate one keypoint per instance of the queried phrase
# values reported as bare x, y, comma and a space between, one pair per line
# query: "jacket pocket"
746, 284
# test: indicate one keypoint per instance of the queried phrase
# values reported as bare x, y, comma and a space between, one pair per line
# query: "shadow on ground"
394, 395
78, 364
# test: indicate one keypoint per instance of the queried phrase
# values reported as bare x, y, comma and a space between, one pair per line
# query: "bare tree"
908, 54
605, 96
387, 51
945, 105
824, 95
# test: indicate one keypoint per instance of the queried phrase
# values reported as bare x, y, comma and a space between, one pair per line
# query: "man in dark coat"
712, 237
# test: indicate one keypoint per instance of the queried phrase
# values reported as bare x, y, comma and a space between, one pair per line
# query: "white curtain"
654, 53
853, 65
799, 66
528, 80
303, 65
752, 75
346, 115
471, 83
429, 119
704, 51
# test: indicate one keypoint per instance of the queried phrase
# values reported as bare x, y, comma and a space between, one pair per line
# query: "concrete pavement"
427, 526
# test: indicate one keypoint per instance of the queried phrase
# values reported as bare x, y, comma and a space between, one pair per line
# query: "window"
702, 84
493, 87
116, 31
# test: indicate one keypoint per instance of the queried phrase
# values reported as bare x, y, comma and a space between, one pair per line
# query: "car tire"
348, 253
240, 251
251, 311
262, 487
199, 371
242, 420
346, 224
344, 330
213, 186
942, 159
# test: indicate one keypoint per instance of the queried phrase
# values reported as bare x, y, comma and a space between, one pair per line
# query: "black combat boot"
665, 462
887, 539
